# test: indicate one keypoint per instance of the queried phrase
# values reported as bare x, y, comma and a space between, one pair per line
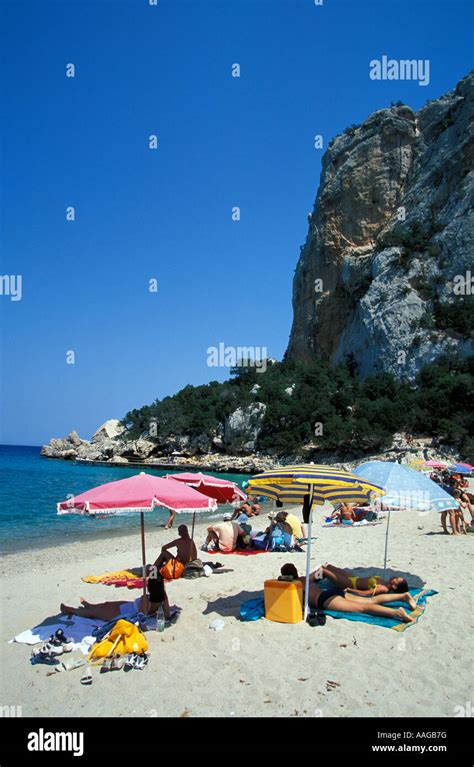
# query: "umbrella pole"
308, 552
386, 547
142, 526
192, 531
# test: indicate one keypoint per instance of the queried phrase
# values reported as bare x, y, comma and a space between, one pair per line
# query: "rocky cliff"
390, 241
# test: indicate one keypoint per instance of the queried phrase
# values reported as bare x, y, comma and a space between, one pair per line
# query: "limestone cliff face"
390, 233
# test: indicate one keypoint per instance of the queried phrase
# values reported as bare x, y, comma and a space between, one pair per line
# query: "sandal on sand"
135, 661
116, 663
141, 662
106, 665
47, 650
65, 666
129, 661
87, 676
59, 639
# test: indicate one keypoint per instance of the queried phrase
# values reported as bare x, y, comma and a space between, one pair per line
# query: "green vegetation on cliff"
329, 407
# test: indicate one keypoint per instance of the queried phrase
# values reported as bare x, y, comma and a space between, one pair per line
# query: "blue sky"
166, 214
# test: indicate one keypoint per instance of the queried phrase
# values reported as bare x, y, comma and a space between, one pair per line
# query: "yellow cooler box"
283, 601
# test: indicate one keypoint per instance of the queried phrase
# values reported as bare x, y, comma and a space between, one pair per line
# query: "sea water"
31, 486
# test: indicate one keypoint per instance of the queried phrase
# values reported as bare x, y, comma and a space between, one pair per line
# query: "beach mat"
355, 524
81, 630
253, 609
389, 623
119, 578
240, 552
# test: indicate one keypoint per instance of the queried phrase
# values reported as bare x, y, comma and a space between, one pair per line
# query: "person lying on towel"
147, 604
355, 584
336, 599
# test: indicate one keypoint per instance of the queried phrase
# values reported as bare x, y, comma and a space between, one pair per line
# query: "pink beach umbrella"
140, 493
436, 464
221, 490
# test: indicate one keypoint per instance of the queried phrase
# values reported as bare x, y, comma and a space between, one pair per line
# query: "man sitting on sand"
373, 585
224, 535
185, 549
107, 611
291, 521
336, 599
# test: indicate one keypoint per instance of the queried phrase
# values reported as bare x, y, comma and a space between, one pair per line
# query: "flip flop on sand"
65, 666
86, 678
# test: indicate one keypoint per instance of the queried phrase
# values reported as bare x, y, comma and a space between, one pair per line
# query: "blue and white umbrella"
460, 468
405, 489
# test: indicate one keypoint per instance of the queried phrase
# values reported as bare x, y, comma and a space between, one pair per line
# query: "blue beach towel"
252, 610
389, 623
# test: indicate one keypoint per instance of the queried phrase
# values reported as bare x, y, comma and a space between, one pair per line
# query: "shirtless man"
185, 549
342, 601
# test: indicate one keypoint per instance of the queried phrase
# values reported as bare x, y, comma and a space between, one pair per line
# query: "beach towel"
118, 578
252, 610
390, 623
240, 552
361, 523
78, 628
84, 631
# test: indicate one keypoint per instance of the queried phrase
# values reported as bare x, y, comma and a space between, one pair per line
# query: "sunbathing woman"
107, 611
371, 586
344, 602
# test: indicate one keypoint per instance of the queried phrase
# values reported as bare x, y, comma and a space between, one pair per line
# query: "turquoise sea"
31, 486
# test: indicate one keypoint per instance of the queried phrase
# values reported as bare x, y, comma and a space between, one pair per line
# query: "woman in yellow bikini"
372, 585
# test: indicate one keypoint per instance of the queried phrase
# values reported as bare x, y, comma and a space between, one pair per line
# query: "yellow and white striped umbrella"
290, 484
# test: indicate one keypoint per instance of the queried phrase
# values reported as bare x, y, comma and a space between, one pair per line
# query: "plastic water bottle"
160, 620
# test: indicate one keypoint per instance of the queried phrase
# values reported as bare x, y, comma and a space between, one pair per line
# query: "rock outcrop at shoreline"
390, 236
108, 446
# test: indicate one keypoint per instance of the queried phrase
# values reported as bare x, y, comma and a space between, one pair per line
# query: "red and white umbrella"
221, 490
140, 493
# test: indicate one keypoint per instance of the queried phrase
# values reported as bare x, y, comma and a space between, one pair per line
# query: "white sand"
259, 668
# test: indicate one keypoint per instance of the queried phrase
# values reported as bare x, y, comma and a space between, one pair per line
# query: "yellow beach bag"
124, 638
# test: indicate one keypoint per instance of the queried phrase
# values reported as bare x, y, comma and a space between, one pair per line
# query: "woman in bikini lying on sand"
373, 586
342, 601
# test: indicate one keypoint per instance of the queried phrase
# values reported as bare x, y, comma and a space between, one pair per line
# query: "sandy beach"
258, 668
